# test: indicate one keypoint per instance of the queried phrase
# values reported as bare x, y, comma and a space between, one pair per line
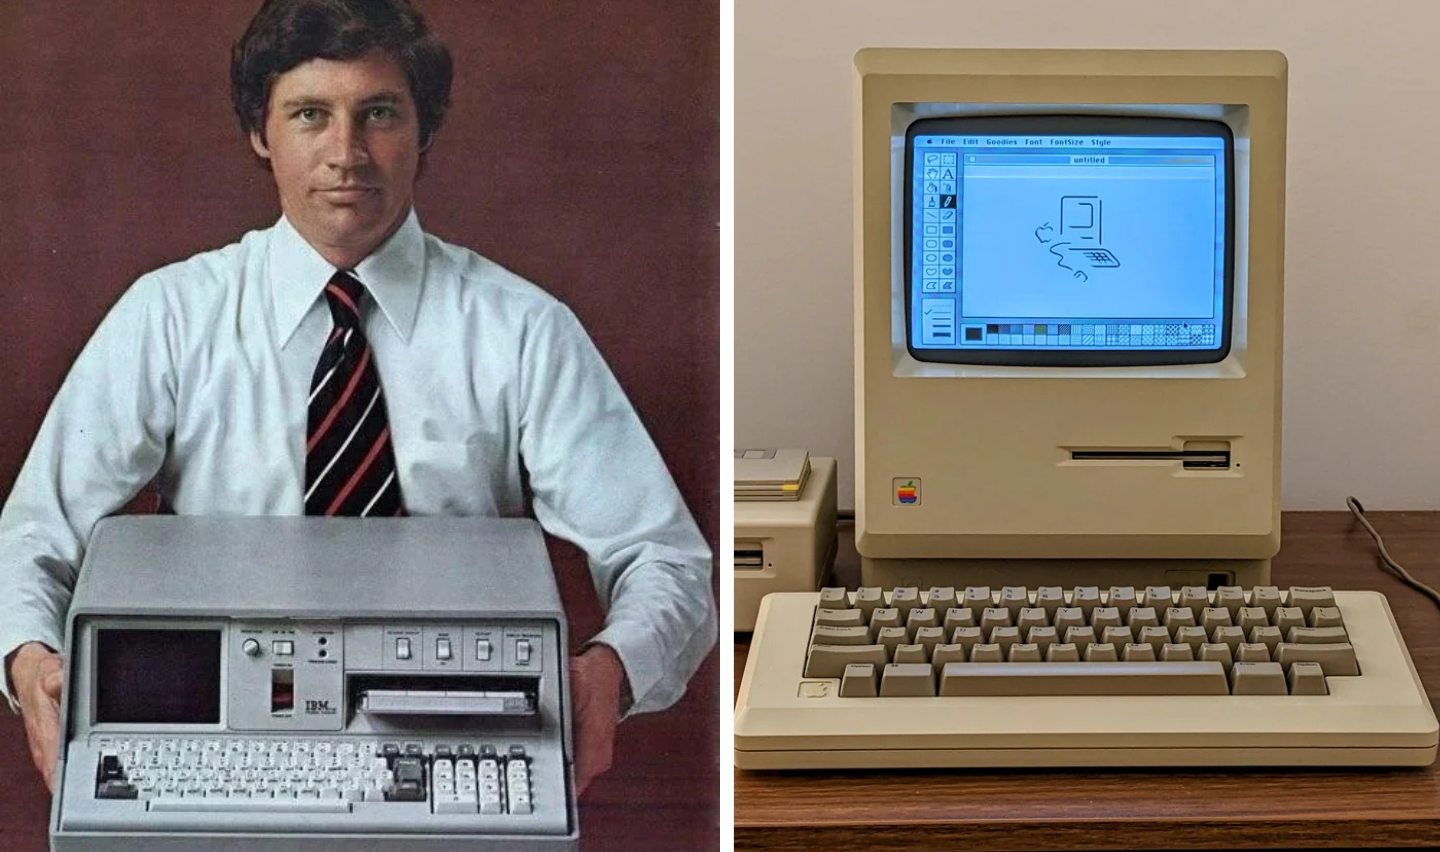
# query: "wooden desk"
1180, 809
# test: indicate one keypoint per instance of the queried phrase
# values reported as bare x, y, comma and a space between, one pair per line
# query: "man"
344, 362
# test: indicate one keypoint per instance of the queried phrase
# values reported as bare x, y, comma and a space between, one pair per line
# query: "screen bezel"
1063, 124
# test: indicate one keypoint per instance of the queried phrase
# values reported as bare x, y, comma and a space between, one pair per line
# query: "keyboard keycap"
1309, 597
1025, 653
945, 654
834, 597
823, 635
1258, 679
909, 680
910, 654
1316, 636
211, 804
1307, 679
1084, 679
1337, 660
858, 681
987, 653
959, 617
1325, 616
940, 598
1265, 597
839, 618
831, 660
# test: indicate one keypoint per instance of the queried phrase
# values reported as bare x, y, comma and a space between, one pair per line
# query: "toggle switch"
402, 649
442, 649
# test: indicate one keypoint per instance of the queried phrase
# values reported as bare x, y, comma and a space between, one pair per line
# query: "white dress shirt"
201, 373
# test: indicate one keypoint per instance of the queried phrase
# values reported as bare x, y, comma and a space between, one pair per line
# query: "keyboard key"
1138, 652
1050, 599
987, 653
1101, 652
1232, 636
921, 617
210, 804
1042, 637
1309, 597
1316, 636
1091, 678
1176, 617
966, 637
1251, 617
1015, 598
839, 618
1287, 617
994, 616
1231, 598
1307, 679
858, 681
885, 616
1176, 652
1194, 636
1122, 598
1216, 652
1214, 616
1267, 636
1031, 617
1118, 636
910, 654
1062, 652
831, 660
1086, 598
913, 680
1325, 616
834, 597
1196, 599
978, 597
868, 599
1158, 598
1024, 652
1155, 637
940, 598
959, 617
892, 637
904, 599
1337, 660
1004, 637
1067, 617
1080, 637
1252, 652
822, 635
1266, 598
1105, 616
1258, 679
1143, 616
929, 637
944, 654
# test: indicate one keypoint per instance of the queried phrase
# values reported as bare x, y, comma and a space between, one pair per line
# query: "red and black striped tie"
349, 460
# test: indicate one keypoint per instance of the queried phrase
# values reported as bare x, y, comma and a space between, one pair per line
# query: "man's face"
343, 141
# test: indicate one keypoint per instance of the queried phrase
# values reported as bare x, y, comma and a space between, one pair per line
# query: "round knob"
250, 647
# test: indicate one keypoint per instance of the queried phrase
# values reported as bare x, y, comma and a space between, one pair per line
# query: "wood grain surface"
1142, 809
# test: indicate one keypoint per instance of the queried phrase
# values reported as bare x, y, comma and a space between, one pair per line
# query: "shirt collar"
297, 275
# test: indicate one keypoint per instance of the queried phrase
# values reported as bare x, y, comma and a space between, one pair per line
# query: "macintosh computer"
1068, 329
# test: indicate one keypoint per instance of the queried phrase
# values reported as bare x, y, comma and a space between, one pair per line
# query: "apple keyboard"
1050, 676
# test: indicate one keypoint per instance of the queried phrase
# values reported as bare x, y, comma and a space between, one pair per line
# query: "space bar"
271, 806
1178, 678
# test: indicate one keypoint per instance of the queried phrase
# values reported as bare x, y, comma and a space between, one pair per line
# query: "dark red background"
581, 150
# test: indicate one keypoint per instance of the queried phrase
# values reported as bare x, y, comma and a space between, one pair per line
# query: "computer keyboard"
1080, 677
319, 783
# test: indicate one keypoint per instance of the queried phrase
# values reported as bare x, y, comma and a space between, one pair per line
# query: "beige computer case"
999, 498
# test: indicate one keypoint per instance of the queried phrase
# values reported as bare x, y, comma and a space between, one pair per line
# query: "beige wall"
1362, 322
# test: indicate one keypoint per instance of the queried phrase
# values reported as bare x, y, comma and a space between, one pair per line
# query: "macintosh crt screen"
1036, 244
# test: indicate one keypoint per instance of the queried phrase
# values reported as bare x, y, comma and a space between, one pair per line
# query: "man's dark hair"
287, 33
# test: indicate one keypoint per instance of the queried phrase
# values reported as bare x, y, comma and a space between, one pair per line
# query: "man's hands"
35, 673
596, 679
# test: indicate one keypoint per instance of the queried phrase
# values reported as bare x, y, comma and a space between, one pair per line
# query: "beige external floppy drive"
784, 545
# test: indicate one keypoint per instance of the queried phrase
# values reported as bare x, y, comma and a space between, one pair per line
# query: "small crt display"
1069, 240
156, 676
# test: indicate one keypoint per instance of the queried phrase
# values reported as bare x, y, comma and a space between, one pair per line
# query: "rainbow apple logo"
906, 492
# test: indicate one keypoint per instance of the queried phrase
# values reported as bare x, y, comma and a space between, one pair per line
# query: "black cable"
1395, 567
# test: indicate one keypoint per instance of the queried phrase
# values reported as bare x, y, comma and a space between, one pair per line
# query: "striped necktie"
349, 460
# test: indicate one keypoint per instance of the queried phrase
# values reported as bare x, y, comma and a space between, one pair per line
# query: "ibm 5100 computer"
1068, 293
315, 683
